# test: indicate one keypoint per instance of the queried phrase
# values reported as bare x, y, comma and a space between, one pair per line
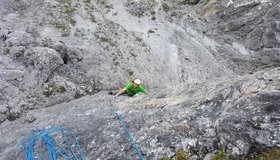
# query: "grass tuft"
6, 50
222, 155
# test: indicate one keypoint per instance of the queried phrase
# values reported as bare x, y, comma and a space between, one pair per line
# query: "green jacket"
132, 92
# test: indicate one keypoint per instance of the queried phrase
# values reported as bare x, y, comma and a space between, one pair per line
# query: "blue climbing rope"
122, 123
45, 140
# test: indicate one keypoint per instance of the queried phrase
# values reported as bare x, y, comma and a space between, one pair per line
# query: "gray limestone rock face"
44, 59
212, 67
20, 38
187, 119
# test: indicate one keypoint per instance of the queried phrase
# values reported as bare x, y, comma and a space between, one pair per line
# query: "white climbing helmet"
137, 81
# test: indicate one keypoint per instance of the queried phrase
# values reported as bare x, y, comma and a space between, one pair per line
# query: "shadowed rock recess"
212, 67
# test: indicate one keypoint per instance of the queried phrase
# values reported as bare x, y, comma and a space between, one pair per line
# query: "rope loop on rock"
55, 140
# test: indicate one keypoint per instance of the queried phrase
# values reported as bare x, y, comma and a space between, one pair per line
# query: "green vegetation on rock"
52, 88
150, 31
152, 3
46, 42
265, 154
60, 26
63, 16
222, 155
87, 1
106, 5
271, 154
191, 2
180, 155
61, 89
6, 50
49, 90
165, 7
63, 1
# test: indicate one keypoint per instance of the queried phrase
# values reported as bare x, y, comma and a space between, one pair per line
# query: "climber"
132, 88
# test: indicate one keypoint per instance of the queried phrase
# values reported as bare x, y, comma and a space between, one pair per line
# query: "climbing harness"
122, 123
57, 142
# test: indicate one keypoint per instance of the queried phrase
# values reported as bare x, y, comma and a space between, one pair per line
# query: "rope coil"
48, 139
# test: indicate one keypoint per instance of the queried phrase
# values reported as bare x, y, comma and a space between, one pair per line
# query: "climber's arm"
121, 92
143, 90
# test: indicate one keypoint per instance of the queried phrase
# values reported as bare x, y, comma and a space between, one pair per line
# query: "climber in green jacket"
132, 88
